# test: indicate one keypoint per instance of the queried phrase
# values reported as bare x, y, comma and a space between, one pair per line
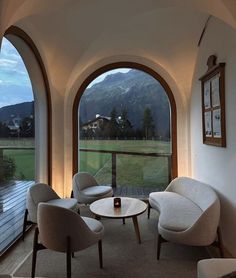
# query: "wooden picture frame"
213, 103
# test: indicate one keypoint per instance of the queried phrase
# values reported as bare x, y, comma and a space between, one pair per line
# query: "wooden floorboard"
4, 216
14, 215
12, 208
134, 191
11, 229
14, 192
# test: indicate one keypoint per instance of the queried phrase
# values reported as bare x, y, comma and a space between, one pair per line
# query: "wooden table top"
129, 207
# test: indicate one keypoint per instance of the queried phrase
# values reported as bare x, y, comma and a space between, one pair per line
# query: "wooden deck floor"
134, 192
12, 208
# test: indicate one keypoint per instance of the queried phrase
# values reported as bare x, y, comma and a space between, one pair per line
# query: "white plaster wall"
58, 131
215, 165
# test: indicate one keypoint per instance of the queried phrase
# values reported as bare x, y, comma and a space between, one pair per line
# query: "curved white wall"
215, 165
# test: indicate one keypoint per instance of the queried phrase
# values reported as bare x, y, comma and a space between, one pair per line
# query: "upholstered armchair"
41, 192
216, 268
189, 213
78, 233
86, 189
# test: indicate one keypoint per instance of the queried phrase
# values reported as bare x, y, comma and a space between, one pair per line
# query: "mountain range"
21, 110
134, 90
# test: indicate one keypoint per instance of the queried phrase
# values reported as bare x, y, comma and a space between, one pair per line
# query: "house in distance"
104, 127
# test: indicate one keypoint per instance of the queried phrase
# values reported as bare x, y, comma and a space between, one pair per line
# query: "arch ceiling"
74, 34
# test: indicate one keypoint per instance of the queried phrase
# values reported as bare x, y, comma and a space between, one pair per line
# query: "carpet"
122, 255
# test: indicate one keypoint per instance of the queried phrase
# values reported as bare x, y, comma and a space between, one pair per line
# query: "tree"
104, 130
113, 126
124, 124
8, 168
4, 130
89, 133
82, 133
27, 127
148, 125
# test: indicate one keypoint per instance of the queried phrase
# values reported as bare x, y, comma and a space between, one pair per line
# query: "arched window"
17, 119
25, 141
42, 100
125, 129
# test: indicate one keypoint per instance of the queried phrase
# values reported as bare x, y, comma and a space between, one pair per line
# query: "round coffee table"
130, 207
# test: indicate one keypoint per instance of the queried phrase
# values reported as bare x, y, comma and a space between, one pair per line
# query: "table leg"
135, 221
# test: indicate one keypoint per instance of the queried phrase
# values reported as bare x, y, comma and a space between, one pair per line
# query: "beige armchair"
216, 268
86, 189
78, 233
41, 192
189, 213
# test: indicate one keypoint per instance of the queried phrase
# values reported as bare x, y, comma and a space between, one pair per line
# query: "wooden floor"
12, 208
134, 192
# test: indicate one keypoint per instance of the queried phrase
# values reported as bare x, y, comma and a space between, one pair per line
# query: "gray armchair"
86, 189
78, 233
41, 192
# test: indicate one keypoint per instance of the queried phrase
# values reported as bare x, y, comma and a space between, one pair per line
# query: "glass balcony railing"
17, 172
17, 163
129, 169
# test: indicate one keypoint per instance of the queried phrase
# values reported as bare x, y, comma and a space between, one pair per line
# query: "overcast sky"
15, 85
102, 76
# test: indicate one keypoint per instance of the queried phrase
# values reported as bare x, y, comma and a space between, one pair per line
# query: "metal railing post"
169, 169
1, 163
113, 170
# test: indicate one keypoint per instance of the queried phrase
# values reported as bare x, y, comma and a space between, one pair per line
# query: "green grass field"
17, 142
25, 163
24, 159
131, 170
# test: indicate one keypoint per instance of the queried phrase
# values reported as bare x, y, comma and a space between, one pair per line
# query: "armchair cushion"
216, 268
189, 212
86, 189
177, 212
68, 203
96, 190
93, 224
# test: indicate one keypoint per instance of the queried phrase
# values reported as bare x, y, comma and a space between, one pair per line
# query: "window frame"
23, 36
132, 65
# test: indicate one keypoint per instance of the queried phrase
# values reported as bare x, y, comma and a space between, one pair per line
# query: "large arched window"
25, 143
17, 120
42, 100
125, 129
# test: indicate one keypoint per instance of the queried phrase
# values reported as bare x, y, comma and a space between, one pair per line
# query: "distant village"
100, 127
17, 127
117, 127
